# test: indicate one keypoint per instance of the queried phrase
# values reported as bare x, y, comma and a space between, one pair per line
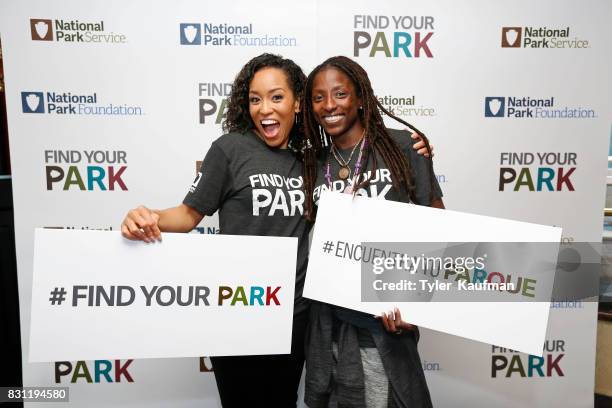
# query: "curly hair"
238, 118
378, 137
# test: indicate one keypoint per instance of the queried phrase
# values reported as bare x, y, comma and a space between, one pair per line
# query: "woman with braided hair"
354, 359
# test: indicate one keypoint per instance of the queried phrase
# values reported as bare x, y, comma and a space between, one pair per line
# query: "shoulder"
402, 138
233, 139
235, 142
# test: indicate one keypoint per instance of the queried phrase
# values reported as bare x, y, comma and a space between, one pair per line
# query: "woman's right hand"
141, 224
393, 322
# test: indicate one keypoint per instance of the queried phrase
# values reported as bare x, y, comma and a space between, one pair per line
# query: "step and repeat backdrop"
111, 104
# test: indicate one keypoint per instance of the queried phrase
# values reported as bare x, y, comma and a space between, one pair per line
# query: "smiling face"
335, 105
272, 105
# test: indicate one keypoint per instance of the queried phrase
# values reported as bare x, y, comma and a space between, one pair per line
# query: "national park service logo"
42, 30
511, 37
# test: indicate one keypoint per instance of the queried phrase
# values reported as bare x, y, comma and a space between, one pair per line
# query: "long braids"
379, 140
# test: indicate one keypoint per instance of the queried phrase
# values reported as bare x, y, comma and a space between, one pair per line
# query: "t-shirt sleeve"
212, 184
423, 173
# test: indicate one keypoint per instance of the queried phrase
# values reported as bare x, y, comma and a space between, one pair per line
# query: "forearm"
178, 219
437, 203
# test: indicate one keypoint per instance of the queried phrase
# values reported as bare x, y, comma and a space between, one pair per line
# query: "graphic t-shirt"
257, 190
380, 187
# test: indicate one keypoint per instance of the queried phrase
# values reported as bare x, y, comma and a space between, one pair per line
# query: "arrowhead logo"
41, 29
194, 185
32, 102
190, 34
495, 106
511, 37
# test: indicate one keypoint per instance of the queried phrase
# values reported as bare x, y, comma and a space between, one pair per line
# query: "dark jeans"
271, 380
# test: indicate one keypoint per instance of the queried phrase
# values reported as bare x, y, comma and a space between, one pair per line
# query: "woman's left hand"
393, 322
419, 146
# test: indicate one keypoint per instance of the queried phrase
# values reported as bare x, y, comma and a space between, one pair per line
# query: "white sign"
97, 295
336, 279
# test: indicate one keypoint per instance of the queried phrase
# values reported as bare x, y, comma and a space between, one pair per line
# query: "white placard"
337, 280
146, 317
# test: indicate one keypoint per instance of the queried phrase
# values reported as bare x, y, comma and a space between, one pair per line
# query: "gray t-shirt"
380, 187
380, 182
257, 190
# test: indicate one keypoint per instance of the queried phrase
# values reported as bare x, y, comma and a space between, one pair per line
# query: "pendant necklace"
345, 171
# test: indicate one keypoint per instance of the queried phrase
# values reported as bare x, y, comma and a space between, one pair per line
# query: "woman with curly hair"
254, 180
354, 359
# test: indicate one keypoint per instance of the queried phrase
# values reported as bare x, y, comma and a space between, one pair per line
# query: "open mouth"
270, 127
332, 118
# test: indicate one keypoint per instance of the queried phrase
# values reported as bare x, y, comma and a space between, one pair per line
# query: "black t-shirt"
257, 190
380, 187
380, 182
